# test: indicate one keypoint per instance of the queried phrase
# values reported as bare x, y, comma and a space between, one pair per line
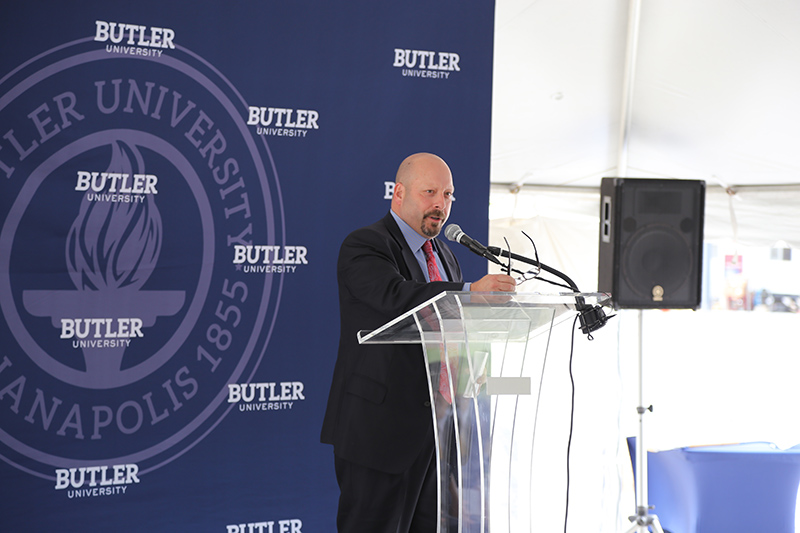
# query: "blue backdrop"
175, 181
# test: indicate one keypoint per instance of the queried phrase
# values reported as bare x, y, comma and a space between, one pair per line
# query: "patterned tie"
434, 275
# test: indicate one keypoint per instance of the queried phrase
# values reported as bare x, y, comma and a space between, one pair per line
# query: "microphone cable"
571, 416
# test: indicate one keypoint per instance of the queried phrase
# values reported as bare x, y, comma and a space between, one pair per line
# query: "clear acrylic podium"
496, 346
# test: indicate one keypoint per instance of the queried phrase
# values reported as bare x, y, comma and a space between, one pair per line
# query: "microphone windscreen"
452, 232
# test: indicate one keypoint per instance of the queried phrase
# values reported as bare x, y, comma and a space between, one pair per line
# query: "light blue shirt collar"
415, 242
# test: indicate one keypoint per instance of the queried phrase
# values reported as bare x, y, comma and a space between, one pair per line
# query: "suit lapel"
448, 261
411, 262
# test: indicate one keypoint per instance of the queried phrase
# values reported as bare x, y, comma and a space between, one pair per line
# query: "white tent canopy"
703, 90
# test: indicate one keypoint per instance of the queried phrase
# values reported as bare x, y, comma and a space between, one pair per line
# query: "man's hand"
494, 283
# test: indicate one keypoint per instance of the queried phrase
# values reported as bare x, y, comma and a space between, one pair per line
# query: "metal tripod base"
643, 522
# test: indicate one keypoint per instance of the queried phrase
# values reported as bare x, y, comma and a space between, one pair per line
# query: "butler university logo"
126, 181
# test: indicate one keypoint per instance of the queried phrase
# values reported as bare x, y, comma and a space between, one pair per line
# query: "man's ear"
399, 191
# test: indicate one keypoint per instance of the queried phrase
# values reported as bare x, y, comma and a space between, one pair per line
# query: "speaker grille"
656, 255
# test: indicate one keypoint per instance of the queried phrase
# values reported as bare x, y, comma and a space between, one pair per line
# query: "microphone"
454, 233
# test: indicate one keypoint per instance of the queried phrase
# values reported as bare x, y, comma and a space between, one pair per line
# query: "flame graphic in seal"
114, 245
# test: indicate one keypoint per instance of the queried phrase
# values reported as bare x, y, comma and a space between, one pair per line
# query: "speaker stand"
643, 520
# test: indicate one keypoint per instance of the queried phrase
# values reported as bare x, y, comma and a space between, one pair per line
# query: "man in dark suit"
379, 416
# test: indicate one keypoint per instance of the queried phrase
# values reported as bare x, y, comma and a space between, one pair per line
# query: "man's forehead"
432, 182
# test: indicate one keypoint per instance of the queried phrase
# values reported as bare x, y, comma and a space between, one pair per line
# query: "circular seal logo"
125, 182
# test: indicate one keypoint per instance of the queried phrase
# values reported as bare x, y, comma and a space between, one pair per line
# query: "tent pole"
634, 17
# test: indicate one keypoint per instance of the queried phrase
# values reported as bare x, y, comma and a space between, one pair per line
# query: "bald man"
378, 417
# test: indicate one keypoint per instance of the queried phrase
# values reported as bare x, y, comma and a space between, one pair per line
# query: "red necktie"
434, 275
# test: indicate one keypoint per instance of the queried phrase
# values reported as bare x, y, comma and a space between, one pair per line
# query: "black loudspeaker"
651, 242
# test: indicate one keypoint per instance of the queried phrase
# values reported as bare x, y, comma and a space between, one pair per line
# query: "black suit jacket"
378, 412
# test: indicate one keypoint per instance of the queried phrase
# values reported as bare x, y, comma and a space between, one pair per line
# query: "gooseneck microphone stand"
591, 318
